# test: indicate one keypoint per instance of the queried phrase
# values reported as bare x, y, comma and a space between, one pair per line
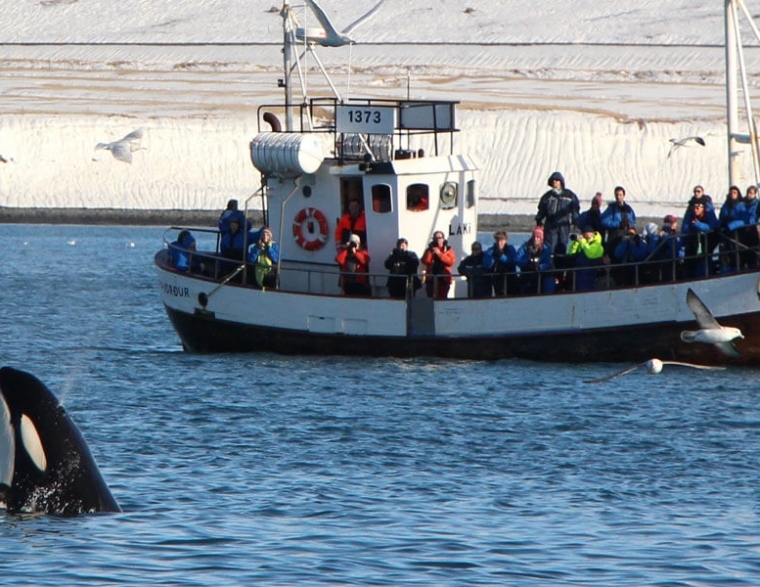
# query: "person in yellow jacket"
588, 251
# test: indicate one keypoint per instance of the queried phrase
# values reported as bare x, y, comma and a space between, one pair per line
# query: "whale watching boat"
397, 159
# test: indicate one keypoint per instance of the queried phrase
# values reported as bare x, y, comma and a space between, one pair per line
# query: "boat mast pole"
287, 49
731, 103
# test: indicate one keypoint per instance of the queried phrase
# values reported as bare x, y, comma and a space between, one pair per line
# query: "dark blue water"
269, 470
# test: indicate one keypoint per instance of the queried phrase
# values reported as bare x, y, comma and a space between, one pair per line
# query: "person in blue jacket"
479, 279
264, 254
230, 212
499, 260
617, 219
181, 252
534, 258
733, 215
749, 235
699, 238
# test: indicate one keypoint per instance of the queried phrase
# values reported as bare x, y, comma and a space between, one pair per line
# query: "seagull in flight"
653, 367
710, 331
329, 36
684, 142
123, 148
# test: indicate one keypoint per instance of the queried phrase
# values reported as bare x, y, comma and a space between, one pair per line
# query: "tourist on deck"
631, 248
499, 260
479, 279
699, 238
438, 260
587, 252
352, 222
264, 254
749, 235
558, 210
732, 217
228, 214
534, 258
670, 223
181, 252
402, 265
593, 216
664, 252
354, 268
699, 195
617, 219
232, 243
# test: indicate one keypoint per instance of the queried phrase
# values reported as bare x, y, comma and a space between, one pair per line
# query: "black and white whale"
45, 463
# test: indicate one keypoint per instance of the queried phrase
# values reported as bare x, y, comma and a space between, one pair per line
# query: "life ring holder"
310, 218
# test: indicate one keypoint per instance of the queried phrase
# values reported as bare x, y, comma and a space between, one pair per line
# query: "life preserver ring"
310, 229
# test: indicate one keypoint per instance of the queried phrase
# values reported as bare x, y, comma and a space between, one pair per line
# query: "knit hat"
538, 232
354, 238
651, 229
266, 229
669, 219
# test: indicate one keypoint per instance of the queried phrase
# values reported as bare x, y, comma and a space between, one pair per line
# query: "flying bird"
124, 147
653, 367
710, 332
329, 36
684, 142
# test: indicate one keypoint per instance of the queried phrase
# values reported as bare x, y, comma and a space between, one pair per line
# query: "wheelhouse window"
470, 197
418, 197
381, 199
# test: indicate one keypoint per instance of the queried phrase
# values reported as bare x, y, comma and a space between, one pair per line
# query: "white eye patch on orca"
32, 443
7, 444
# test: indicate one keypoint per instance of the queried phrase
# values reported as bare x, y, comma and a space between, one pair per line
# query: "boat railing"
376, 128
718, 253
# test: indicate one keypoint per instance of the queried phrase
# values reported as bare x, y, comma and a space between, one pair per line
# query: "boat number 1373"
365, 116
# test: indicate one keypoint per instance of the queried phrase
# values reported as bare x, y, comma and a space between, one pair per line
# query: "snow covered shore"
598, 104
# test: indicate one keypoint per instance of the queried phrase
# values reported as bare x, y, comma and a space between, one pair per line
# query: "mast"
732, 115
287, 55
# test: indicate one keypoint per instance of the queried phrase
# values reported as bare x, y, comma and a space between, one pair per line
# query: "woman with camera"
354, 268
438, 259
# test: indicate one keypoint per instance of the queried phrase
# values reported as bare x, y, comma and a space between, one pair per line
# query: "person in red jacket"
438, 259
354, 268
352, 222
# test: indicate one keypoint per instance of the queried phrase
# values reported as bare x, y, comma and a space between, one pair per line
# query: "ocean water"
270, 470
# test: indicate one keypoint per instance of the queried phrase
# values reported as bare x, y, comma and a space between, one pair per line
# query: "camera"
573, 237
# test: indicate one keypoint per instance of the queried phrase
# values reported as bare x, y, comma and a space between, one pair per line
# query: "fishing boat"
398, 160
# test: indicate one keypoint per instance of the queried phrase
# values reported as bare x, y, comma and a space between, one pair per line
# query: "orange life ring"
310, 229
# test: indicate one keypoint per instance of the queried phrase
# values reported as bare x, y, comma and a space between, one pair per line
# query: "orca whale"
45, 464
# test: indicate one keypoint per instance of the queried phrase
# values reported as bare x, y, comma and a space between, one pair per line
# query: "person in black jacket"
558, 210
479, 279
402, 264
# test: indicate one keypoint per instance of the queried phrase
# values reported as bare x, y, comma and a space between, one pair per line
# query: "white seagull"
710, 332
653, 366
123, 148
328, 36
684, 142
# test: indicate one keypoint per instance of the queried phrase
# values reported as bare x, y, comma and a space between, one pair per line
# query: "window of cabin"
417, 197
381, 198
470, 197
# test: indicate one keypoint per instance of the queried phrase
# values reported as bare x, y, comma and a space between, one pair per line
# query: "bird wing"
332, 34
133, 136
362, 18
618, 374
701, 312
699, 140
695, 366
121, 151
728, 348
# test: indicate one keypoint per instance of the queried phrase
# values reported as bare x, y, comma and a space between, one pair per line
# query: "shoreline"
202, 218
